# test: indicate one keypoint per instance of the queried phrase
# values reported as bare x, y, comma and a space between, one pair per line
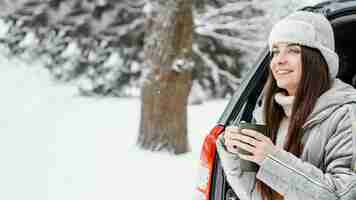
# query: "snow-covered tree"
227, 37
97, 44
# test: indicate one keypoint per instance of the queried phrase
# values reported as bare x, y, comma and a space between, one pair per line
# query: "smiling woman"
309, 154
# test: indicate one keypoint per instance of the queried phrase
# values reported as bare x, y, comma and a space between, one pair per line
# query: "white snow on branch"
182, 64
72, 50
211, 64
216, 71
236, 25
150, 8
228, 8
124, 30
231, 42
101, 2
147, 9
4, 28
30, 40
114, 60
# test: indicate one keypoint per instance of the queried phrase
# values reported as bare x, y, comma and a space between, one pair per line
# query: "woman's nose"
281, 58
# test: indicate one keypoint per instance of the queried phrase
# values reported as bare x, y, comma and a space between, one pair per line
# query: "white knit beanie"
311, 30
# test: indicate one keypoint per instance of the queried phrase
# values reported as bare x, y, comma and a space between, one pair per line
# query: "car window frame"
240, 108
252, 84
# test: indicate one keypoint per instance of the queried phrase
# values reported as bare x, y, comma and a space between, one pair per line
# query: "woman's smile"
283, 72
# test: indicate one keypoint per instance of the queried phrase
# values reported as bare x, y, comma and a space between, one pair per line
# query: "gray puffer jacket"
326, 170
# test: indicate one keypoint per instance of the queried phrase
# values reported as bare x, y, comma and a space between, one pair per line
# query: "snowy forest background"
97, 45
55, 143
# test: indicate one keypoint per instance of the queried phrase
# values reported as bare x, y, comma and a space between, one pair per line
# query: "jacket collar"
338, 95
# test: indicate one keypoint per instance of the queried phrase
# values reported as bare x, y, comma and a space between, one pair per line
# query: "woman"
311, 154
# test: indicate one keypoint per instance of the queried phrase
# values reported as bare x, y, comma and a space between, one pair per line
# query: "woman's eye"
293, 50
274, 52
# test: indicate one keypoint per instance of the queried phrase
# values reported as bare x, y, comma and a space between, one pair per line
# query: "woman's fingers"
227, 142
244, 138
243, 146
255, 134
248, 157
232, 149
229, 132
234, 139
249, 140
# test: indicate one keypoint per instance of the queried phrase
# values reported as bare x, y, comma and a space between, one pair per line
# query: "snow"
148, 8
114, 60
5, 27
29, 40
72, 50
56, 145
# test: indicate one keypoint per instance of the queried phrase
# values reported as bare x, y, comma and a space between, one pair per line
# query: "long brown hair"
315, 80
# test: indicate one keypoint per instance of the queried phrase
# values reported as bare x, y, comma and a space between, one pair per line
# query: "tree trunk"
164, 96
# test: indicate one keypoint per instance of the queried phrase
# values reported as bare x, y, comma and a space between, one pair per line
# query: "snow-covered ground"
55, 145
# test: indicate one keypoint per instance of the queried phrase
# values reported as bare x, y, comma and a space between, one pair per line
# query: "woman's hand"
252, 141
229, 133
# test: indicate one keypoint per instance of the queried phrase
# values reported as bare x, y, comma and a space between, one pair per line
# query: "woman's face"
286, 66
